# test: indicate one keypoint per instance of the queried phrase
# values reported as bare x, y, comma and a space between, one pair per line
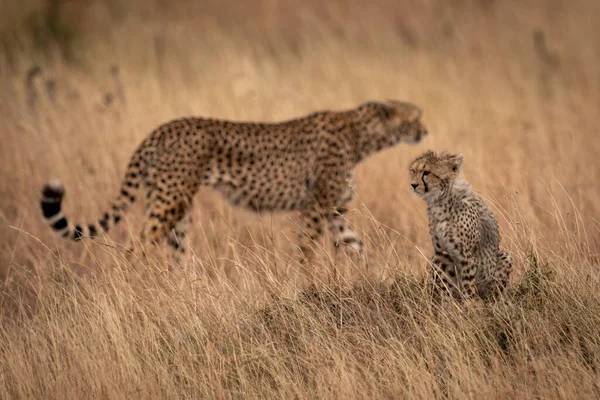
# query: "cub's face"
432, 173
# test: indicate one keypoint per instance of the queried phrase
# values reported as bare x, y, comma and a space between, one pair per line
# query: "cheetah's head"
402, 122
434, 172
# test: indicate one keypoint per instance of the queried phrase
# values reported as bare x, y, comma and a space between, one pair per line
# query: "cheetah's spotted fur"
463, 229
304, 164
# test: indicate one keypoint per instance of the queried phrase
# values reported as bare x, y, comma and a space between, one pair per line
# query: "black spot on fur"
175, 244
93, 231
179, 233
126, 194
51, 193
77, 233
50, 209
104, 222
60, 224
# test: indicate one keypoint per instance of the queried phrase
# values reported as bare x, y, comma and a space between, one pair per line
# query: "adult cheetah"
304, 164
463, 229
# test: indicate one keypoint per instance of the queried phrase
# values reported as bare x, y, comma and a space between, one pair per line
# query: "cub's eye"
425, 173
412, 171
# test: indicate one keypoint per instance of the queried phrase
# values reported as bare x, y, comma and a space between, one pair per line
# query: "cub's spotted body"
305, 164
463, 229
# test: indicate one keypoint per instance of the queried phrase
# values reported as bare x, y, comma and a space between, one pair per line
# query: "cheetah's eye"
425, 173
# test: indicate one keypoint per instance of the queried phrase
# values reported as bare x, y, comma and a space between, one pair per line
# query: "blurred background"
514, 85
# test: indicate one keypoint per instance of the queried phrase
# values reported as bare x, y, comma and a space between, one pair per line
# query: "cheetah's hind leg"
177, 239
443, 276
311, 229
500, 276
163, 221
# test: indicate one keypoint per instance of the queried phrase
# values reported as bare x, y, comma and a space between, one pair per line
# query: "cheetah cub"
463, 230
304, 164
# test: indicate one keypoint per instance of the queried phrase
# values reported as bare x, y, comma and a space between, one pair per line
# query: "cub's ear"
456, 162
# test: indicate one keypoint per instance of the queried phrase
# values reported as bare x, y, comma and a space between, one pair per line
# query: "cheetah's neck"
459, 191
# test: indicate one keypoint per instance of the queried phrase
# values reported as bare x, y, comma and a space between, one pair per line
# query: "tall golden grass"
514, 86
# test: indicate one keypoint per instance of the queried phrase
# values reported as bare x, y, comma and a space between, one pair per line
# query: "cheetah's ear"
408, 112
456, 162
413, 113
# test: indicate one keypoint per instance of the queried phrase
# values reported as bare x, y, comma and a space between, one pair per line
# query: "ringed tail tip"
53, 191
52, 195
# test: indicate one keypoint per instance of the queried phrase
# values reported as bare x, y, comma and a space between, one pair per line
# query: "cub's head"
401, 122
434, 172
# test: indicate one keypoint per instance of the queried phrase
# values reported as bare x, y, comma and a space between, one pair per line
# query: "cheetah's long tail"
53, 194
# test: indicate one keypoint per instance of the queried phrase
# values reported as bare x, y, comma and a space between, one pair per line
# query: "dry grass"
513, 85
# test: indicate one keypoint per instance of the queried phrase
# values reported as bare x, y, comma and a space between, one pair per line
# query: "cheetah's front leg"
340, 194
494, 285
461, 247
465, 268
450, 278
343, 234
467, 272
